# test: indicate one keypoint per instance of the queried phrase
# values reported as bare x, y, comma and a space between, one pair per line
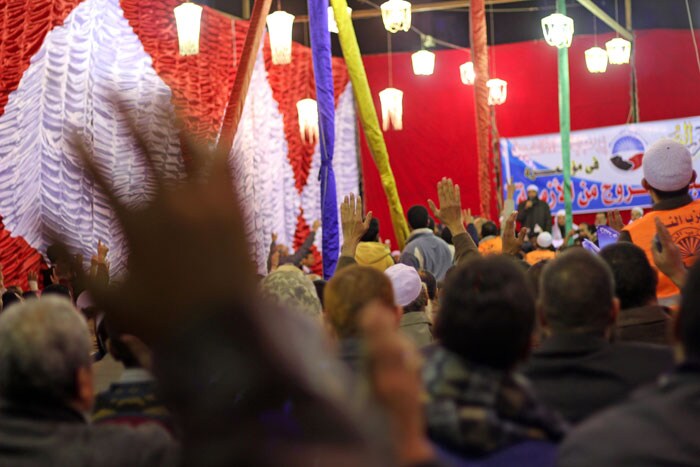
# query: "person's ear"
614, 311
398, 313
692, 179
645, 184
84, 388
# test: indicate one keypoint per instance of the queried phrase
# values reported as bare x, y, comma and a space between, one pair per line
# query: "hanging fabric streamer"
368, 117
243, 74
325, 98
481, 96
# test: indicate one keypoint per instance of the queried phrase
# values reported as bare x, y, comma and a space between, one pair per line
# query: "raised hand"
274, 238
615, 220
353, 224
316, 225
467, 217
669, 260
510, 191
102, 251
450, 211
512, 244
186, 240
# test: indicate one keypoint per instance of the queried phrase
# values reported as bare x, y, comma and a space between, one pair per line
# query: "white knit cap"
533, 187
544, 240
638, 210
406, 282
561, 212
667, 165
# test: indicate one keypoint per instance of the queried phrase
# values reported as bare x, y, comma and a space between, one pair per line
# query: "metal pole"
565, 120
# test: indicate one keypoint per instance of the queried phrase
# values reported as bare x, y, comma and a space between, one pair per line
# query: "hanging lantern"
619, 51
558, 30
332, 24
498, 91
308, 120
423, 62
188, 17
279, 27
392, 108
467, 73
396, 15
596, 60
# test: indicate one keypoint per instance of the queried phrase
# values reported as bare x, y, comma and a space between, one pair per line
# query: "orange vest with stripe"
684, 225
491, 246
536, 256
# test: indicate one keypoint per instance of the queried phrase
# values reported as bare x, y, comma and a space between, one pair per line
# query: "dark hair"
487, 312
431, 223
57, 289
489, 229
576, 292
446, 234
430, 283
372, 234
534, 276
635, 279
117, 348
671, 194
417, 217
689, 315
10, 297
320, 286
419, 303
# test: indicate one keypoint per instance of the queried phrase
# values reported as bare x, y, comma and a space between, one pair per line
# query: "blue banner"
606, 164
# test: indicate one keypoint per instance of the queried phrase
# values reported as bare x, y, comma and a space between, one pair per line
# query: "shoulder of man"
146, 445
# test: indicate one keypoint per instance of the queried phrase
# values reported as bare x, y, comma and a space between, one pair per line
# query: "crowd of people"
478, 344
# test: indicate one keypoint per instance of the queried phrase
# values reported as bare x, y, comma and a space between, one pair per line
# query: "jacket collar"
420, 233
642, 315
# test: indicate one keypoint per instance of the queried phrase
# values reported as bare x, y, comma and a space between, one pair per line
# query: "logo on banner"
627, 152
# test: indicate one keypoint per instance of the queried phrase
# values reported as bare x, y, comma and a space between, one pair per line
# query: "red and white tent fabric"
67, 62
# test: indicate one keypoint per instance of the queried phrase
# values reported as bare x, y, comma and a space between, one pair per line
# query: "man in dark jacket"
576, 369
46, 388
659, 424
641, 318
534, 212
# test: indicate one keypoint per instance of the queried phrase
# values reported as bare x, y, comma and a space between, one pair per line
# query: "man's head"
561, 218
10, 298
636, 213
668, 169
532, 192
487, 312
417, 217
601, 219
372, 234
309, 260
289, 287
635, 279
489, 229
406, 283
577, 294
57, 289
544, 240
688, 324
348, 293
45, 354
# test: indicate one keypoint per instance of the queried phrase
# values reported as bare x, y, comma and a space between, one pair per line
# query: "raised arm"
451, 215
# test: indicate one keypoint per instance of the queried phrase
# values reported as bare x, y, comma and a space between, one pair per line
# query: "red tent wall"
438, 137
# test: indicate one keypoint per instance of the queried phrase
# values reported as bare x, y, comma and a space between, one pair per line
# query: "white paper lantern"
188, 18
423, 62
596, 60
332, 24
396, 15
391, 100
308, 120
498, 91
467, 73
619, 51
558, 30
279, 27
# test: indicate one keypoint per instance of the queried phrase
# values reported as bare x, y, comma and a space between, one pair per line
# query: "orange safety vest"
684, 225
536, 256
491, 246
